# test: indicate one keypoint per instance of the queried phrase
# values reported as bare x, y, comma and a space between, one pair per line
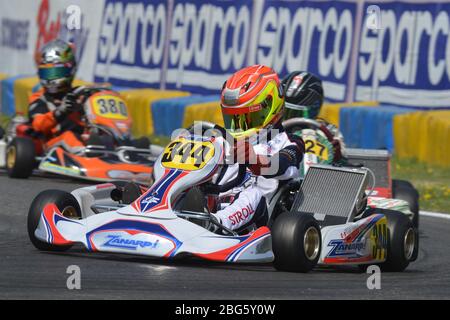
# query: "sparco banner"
396, 52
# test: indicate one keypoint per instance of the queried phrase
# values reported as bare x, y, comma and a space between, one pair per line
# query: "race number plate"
187, 154
315, 147
110, 107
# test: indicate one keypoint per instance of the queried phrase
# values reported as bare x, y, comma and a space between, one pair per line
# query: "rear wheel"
67, 205
296, 242
20, 157
404, 190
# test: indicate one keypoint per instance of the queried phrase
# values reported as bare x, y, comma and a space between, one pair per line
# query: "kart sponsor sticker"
117, 241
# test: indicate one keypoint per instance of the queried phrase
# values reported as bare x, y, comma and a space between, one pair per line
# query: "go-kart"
325, 225
109, 152
390, 193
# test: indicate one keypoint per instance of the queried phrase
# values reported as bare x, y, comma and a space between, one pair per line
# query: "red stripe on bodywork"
222, 255
50, 211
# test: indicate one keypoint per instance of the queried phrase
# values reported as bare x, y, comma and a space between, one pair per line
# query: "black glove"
67, 106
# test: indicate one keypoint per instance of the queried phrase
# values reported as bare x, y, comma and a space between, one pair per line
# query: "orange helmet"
252, 99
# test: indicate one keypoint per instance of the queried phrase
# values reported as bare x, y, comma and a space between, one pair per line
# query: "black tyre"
2, 133
296, 242
20, 158
402, 239
141, 143
65, 202
404, 190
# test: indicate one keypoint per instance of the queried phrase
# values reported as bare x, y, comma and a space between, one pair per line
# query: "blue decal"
125, 243
153, 197
342, 249
121, 225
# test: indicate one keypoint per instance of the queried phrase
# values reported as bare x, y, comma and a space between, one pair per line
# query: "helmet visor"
52, 72
295, 111
253, 119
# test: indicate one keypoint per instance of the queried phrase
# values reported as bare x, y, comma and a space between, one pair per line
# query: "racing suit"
43, 120
238, 206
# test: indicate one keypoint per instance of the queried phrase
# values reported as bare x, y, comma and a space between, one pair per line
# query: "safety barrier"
169, 114
410, 134
141, 106
330, 111
424, 136
368, 127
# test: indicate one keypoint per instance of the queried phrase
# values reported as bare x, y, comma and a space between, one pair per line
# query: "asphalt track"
27, 273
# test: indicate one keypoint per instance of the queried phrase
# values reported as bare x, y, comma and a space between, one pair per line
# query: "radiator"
331, 193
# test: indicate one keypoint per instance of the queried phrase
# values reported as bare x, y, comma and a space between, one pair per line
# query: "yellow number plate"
378, 237
187, 155
110, 107
315, 147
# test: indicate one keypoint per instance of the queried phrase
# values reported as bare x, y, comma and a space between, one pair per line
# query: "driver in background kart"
252, 100
53, 110
304, 98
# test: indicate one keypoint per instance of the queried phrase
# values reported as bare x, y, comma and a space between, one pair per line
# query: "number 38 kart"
109, 152
327, 224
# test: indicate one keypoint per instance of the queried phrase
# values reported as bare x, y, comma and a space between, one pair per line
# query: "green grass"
432, 182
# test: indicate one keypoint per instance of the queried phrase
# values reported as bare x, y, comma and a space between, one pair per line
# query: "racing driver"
53, 110
304, 96
252, 103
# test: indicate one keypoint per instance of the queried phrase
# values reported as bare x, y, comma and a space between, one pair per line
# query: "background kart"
109, 152
331, 232
387, 192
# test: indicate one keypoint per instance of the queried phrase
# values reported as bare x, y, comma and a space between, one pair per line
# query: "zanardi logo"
340, 248
116, 241
151, 199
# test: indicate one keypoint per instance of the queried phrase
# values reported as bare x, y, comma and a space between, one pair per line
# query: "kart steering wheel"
297, 124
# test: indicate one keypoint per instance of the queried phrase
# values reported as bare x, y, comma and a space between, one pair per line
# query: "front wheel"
20, 157
296, 242
403, 240
67, 205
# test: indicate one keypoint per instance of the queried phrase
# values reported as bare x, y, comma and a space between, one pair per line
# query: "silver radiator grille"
331, 193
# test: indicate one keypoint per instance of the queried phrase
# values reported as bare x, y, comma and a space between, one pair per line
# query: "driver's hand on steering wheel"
245, 154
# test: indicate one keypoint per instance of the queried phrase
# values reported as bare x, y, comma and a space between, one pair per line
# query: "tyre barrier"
423, 136
169, 114
371, 128
330, 111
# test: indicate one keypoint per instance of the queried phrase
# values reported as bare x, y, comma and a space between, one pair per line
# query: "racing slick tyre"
296, 242
20, 158
404, 190
65, 202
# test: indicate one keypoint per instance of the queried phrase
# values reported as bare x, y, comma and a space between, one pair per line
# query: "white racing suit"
238, 206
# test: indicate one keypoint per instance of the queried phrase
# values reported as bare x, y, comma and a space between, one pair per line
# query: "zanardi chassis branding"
360, 242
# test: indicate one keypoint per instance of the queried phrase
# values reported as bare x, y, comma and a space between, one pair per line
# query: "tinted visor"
55, 72
250, 120
295, 111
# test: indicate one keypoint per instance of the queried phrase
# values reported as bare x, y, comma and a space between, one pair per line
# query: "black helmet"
303, 94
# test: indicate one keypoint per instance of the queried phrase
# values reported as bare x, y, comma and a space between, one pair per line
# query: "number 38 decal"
187, 154
109, 106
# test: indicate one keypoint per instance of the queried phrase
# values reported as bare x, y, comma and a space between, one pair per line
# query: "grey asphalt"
27, 273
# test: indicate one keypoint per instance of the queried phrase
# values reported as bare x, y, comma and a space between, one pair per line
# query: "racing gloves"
67, 106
